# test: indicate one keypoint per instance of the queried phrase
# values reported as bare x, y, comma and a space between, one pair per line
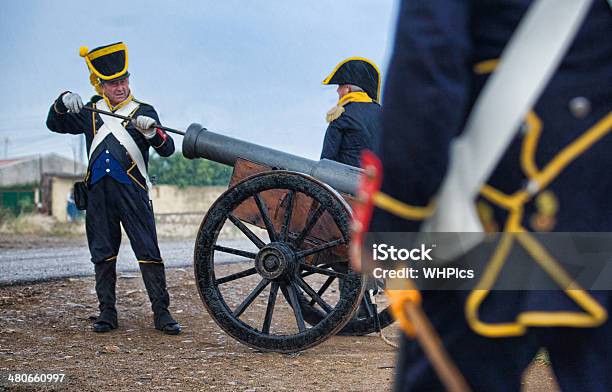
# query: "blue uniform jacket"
352, 132
444, 51
88, 123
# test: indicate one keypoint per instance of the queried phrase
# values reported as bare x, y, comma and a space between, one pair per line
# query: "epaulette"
96, 98
334, 113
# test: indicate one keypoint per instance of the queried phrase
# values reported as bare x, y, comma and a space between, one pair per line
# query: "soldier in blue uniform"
355, 119
117, 181
444, 51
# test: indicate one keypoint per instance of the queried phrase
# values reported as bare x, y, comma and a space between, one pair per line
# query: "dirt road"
45, 328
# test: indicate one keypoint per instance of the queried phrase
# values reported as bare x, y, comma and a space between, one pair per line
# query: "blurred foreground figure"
444, 51
116, 189
355, 120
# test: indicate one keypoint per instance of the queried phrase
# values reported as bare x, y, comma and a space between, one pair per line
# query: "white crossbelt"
113, 125
527, 64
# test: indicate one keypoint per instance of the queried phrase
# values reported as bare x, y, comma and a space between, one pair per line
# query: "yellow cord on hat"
93, 79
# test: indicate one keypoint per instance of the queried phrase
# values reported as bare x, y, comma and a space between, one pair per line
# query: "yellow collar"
358, 96
120, 104
337, 110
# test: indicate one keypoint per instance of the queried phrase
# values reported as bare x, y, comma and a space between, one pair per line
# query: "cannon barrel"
202, 143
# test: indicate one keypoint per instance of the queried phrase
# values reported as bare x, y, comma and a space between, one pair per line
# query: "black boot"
106, 278
155, 281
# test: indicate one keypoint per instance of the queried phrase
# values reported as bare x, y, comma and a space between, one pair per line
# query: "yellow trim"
574, 150
106, 50
357, 96
102, 52
93, 120
120, 104
340, 64
485, 67
594, 314
136, 181
510, 202
545, 176
478, 295
150, 262
128, 172
530, 144
533, 122
112, 258
406, 211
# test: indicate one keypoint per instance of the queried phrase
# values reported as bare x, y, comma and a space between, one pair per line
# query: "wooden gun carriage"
294, 287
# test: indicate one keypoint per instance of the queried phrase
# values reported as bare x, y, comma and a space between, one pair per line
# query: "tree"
183, 172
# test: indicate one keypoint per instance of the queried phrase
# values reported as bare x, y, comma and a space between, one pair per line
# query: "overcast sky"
248, 69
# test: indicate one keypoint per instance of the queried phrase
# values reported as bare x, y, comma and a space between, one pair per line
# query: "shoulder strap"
527, 64
114, 126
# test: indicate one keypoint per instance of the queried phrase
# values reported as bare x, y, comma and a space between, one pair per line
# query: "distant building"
31, 169
42, 183
38, 183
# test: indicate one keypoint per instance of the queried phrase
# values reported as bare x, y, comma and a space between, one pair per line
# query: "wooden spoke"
288, 213
270, 308
263, 211
295, 304
238, 252
250, 235
237, 275
251, 297
308, 290
323, 271
319, 248
312, 220
323, 288
308, 273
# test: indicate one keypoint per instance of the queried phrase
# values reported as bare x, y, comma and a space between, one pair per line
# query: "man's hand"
73, 102
145, 125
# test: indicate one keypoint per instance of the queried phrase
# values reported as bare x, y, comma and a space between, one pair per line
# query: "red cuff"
161, 133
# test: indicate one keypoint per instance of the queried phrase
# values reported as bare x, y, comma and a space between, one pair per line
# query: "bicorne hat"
357, 71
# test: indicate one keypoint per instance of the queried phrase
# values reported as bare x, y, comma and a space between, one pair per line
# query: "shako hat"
358, 71
106, 63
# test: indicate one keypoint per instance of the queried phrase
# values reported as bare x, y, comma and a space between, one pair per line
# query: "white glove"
145, 125
73, 102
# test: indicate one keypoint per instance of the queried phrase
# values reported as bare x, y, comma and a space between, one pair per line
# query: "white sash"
540, 42
112, 125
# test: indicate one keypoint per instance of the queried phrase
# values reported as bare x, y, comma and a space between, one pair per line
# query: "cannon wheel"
278, 264
368, 318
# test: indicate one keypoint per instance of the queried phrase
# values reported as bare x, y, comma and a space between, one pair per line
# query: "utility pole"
82, 148
74, 157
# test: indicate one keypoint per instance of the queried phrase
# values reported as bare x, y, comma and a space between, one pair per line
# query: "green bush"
180, 171
25, 205
6, 215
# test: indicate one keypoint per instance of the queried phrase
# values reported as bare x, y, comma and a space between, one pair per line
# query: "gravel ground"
45, 328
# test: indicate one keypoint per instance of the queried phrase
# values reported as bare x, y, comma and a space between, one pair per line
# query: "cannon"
295, 287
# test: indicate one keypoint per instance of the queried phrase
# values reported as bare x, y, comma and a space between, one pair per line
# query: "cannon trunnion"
292, 287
